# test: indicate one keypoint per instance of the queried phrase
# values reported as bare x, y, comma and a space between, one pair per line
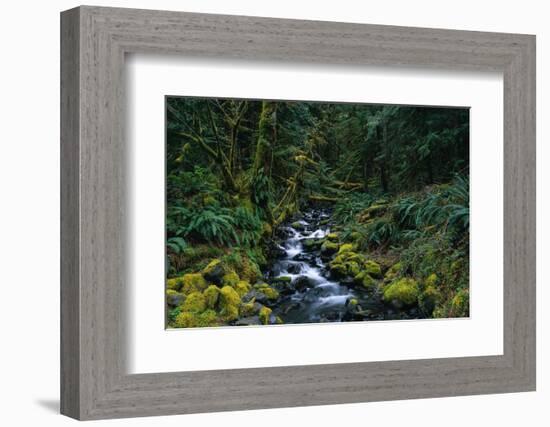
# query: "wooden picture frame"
94, 382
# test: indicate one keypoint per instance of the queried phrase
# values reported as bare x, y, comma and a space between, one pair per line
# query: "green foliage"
347, 208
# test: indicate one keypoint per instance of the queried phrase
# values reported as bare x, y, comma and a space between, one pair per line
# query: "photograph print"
290, 212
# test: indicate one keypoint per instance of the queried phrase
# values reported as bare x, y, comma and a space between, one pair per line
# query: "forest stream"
314, 294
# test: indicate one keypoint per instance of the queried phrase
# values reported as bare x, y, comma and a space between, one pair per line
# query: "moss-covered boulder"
312, 244
214, 271
373, 269
265, 315
174, 284
211, 295
346, 247
333, 237
297, 225
194, 303
187, 319
229, 302
402, 292
286, 280
174, 298
193, 282
329, 248
230, 279
242, 287
432, 280
460, 304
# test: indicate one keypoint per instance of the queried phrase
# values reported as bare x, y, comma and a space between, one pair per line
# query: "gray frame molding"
94, 41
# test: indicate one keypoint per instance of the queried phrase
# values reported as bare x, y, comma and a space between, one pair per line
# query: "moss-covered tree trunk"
266, 130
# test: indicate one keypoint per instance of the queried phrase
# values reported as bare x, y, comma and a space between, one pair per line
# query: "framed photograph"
262, 213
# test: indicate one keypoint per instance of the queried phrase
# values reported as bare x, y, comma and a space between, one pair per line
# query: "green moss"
278, 320
402, 292
270, 293
460, 304
242, 287
352, 268
333, 237
329, 247
264, 315
249, 308
207, 318
214, 271
185, 320
338, 268
368, 282
229, 303
211, 295
373, 268
195, 303
193, 282
347, 247
174, 284
353, 302
230, 279
282, 279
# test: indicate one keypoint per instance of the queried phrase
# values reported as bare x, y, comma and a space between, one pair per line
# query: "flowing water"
312, 294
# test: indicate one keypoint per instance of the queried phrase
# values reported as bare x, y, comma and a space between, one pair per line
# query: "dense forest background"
395, 179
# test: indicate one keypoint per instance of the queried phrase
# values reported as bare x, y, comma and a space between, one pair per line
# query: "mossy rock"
187, 319
242, 287
402, 292
329, 248
173, 298
194, 303
367, 281
373, 269
250, 308
333, 237
265, 315
267, 230
174, 284
230, 279
229, 303
428, 299
193, 282
460, 304
311, 244
211, 296
346, 247
214, 271
338, 269
282, 279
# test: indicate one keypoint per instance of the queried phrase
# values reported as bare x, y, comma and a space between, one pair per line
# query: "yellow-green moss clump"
372, 268
174, 284
194, 303
193, 282
229, 303
328, 247
188, 319
242, 287
347, 247
402, 292
211, 295
264, 315
365, 279
460, 304
230, 279
333, 237
249, 308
